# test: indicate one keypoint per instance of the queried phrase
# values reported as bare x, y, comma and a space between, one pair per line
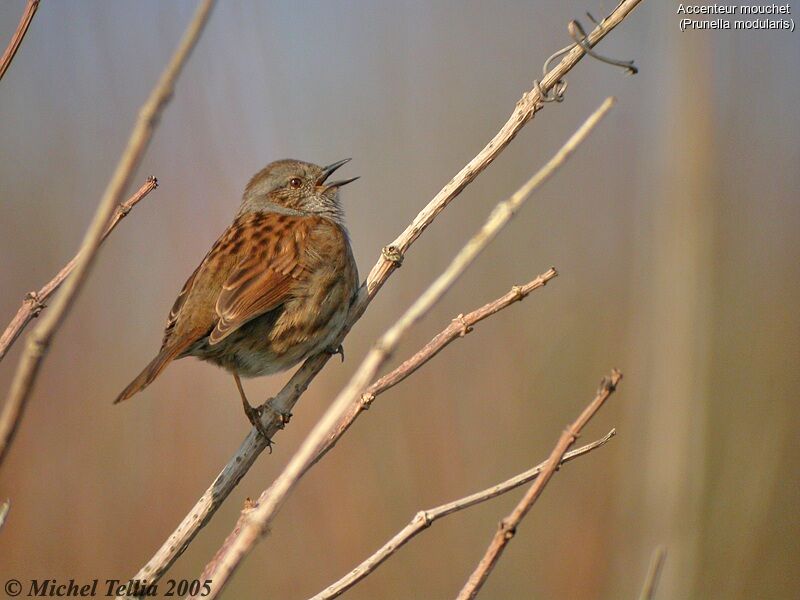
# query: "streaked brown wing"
267, 275
178, 304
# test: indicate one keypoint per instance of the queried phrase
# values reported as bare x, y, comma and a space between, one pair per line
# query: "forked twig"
508, 526
425, 518
39, 339
34, 302
459, 327
259, 518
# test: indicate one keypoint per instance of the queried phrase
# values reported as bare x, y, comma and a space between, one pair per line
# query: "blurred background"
674, 228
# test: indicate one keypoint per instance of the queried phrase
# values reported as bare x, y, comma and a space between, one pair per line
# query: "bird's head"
296, 186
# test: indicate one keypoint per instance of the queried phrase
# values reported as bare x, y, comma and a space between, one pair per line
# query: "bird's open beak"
328, 171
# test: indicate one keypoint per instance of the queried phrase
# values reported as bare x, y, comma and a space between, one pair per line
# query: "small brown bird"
276, 286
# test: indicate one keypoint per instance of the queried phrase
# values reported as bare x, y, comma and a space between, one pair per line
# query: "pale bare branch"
459, 327
16, 39
508, 526
34, 302
4, 508
39, 339
653, 574
425, 518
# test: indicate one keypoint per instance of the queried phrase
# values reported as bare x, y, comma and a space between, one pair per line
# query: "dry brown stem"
16, 39
39, 339
390, 259
508, 526
34, 302
425, 518
269, 502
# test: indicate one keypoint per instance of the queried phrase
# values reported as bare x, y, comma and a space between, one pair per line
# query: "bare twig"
653, 573
39, 340
508, 526
16, 39
390, 259
34, 302
459, 327
425, 518
4, 508
259, 518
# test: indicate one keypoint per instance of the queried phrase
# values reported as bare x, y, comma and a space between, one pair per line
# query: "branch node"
556, 95
609, 384
366, 400
581, 39
424, 518
508, 530
393, 255
36, 305
465, 327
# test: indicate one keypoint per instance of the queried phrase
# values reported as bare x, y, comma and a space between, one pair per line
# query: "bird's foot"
254, 416
337, 350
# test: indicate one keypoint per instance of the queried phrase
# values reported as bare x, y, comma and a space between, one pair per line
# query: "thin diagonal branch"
425, 518
458, 328
270, 501
508, 526
39, 340
390, 259
4, 508
16, 39
34, 302
653, 574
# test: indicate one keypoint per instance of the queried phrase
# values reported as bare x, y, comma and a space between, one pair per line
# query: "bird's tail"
150, 372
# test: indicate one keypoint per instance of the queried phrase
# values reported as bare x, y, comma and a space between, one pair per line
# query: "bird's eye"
295, 182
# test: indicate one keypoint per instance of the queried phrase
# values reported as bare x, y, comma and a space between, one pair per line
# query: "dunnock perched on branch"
276, 286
